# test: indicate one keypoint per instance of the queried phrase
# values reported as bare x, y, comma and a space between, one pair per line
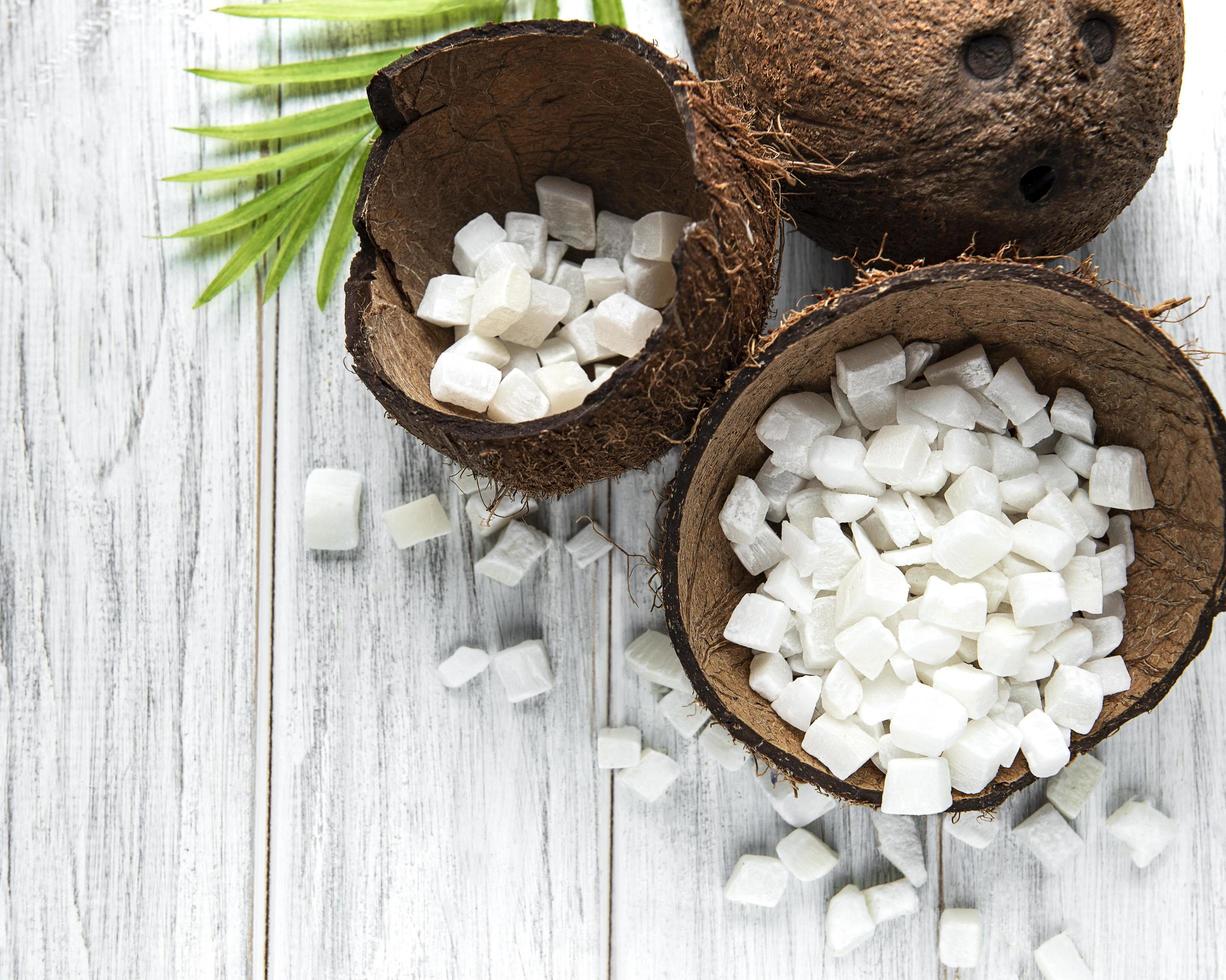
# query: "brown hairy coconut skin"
1065, 331
1033, 122
469, 123
702, 19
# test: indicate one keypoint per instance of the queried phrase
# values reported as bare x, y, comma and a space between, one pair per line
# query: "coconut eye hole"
1098, 35
988, 56
1037, 183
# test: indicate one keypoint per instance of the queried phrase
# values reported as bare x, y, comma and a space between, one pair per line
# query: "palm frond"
282, 160
430, 11
356, 67
340, 234
285, 127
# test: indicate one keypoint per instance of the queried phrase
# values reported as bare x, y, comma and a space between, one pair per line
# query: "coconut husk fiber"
702, 19
1065, 331
958, 125
469, 123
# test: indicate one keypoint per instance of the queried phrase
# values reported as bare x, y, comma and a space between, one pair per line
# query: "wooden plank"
1167, 919
128, 471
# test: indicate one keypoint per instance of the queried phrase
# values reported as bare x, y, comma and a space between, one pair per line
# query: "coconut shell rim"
802, 324
392, 123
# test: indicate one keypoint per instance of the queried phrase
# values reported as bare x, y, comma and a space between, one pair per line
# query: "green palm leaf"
364, 10
358, 67
307, 210
545, 10
283, 127
251, 211
303, 153
340, 234
609, 12
245, 255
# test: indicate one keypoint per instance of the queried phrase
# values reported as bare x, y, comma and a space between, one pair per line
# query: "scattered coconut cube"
417, 521
1120, 479
569, 211
613, 235
500, 301
975, 489
653, 284
797, 702
1073, 698
848, 922
1072, 786
464, 382
684, 713
1049, 838
524, 670
899, 842
758, 623
618, 748
623, 324
870, 367
1043, 746
462, 666
651, 776
723, 748
655, 235
447, 301
516, 553
806, 856
331, 503
916, 786
793, 422
892, 900
1058, 959
518, 398
757, 879
798, 805
589, 545
867, 645
652, 657
531, 233
870, 588
960, 944
841, 746
1112, 674
473, 239
973, 829
1143, 829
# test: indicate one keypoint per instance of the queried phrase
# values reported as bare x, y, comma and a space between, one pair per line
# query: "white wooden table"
222, 756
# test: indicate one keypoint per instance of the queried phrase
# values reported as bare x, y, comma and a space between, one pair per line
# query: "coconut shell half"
1065, 331
958, 125
469, 123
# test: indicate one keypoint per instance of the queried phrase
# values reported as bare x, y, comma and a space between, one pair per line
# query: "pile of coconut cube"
944, 550
546, 306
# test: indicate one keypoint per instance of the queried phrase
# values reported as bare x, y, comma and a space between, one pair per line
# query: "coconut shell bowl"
469, 123
1065, 331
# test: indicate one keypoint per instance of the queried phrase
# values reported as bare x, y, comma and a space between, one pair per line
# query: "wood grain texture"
128, 461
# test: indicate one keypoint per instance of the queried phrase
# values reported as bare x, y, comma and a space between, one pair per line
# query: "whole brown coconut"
993, 121
469, 124
1065, 331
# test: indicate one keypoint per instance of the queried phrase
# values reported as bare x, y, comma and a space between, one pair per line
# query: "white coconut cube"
842, 691
918, 355
531, 233
1039, 598
974, 689
653, 284
757, 879
893, 900
516, 553
974, 829
1010, 459
623, 324
555, 350
867, 645
489, 519
975, 489
570, 278
967, 369
1071, 413
976, 757
655, 235
1072, 786
758, 622
844, 507
787, 585
927, 643
1043, 745
565, 384
897, 520
792, 423
520, 359
524, 670
473, 239
1083, 581
601, 373
613, 235
1112, 674
547, 305
580, 334
1002, 647
797, 805
777, 484
871, 366
876, 408
1113, 565
1057, 475
1078, 456
569, 211
1119, 532
947, 404
447, 301
960, 450
962, 606
500, 301
652, 657
651, 776
817, 630
602, 278
1035, 429
1120, 479
1012, 391
555, 252
897, 454
465, 382
848, 922
797, 702
518, 398
832, 557
1043, 544
971, 543
618, 748
839, 465
488, 350
870, 588
916, 786
744, 511
727, 752
1058, 959
1073, 698
462, 666
498, 257
1021, 493
840, 745
1143, 829
684, 713
880, 698
807, 857
1057, 510
417, 521
588, 546
331, 504
1049, 838
927, 721
762, 553
899, 842
960, 942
